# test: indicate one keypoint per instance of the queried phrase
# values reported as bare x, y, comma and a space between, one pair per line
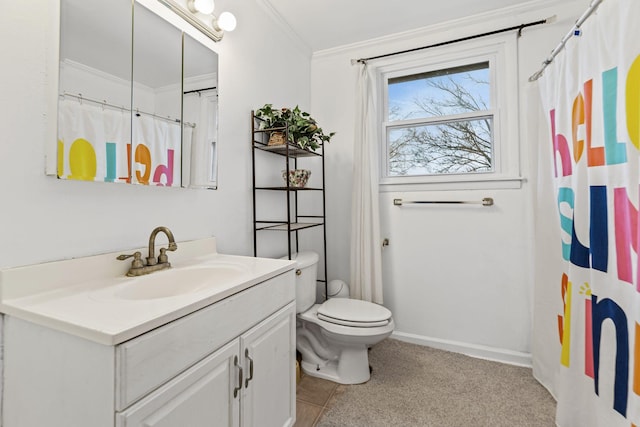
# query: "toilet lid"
351, 312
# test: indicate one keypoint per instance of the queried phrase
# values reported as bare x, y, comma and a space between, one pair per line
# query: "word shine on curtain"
587, 311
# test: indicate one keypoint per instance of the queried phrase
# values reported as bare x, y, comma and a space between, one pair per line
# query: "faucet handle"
137, 259
163, 258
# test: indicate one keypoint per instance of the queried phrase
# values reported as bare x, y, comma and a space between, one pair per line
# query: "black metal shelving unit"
294, 222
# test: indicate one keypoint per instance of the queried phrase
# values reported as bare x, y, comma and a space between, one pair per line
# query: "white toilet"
334, 337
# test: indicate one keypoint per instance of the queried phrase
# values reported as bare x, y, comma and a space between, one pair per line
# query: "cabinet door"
270, 387
201, 396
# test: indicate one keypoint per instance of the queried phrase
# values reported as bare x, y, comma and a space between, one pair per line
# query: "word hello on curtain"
94, 144
591, 97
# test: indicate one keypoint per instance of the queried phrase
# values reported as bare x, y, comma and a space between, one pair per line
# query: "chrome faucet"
139, 267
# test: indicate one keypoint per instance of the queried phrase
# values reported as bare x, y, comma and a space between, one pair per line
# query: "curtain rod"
199, 90
490, 33
104, 103
575, 31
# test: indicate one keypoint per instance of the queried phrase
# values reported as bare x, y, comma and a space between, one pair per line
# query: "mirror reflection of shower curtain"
95, 144
188, 136
156, 151
202, 141
92, 141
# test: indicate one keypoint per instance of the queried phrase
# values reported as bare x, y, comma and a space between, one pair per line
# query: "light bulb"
202, 6
226, 21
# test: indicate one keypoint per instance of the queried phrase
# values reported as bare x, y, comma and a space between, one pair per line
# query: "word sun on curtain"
94, 144
366, 263
586, 347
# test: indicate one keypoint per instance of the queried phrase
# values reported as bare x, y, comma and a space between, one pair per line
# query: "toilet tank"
306, 277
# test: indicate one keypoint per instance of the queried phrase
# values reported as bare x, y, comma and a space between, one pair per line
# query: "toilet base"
351, 368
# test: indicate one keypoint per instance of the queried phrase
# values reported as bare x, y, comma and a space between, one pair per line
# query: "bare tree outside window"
440, 122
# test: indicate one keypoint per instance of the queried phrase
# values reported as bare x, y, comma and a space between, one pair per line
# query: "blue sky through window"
424, 95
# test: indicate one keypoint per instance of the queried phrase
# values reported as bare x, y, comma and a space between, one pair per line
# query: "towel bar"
487, 201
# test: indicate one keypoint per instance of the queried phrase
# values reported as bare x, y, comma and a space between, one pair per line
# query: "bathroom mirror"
200, 115
156, 98
94, 103
137, 96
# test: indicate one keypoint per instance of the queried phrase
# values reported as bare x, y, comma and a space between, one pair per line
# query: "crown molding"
529, 10
299, 43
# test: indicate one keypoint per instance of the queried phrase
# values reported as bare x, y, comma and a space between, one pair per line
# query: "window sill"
450, 183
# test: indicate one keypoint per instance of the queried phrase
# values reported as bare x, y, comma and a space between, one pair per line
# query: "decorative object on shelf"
303, 130
297, 177
276, 138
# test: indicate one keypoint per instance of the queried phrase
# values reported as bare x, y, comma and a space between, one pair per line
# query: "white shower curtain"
586, 345
160, 140
545, 350
366, 269
189, 135
201, 157
94, 144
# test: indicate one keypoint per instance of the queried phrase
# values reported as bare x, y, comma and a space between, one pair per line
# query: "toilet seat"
354, 313
311, 316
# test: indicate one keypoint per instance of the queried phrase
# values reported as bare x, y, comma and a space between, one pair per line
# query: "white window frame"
501, 53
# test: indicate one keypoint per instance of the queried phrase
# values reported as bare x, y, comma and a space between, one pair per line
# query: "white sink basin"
177, 281
90, 297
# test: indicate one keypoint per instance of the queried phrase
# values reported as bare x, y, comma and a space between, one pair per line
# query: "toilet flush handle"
298, 272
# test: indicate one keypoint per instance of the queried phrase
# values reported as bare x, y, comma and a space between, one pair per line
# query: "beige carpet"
412, 385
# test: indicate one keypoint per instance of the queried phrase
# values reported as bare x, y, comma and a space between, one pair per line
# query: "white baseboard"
474, 350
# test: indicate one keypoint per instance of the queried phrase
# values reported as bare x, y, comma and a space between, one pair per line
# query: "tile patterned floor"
313, 397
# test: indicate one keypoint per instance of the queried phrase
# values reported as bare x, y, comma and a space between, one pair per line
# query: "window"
440, 122
442, 117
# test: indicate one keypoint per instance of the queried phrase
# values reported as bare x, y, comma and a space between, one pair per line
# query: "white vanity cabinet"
241, 384
231, 363
201, 396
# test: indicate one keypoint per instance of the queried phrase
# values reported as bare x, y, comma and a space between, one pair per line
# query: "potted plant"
302, 128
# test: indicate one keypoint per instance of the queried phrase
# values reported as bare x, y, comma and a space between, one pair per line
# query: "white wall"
43, 219
454, 278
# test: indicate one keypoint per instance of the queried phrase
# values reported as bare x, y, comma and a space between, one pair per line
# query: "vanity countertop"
78, 296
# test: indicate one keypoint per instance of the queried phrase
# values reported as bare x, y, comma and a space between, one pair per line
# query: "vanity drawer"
146, 362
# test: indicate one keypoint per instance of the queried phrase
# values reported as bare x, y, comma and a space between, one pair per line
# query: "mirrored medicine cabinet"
137, 96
